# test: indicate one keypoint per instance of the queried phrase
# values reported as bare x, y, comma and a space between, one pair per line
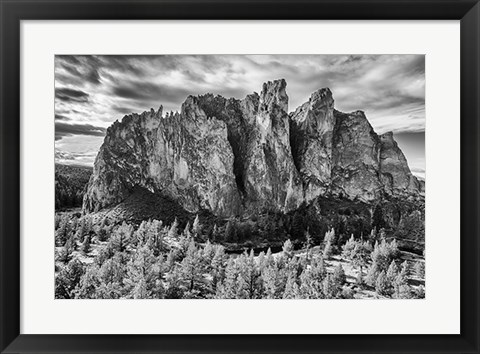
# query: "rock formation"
312, 126
185, 156
355, 157
395, 173
233, 157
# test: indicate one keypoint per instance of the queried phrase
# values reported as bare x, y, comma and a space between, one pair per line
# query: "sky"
91, 92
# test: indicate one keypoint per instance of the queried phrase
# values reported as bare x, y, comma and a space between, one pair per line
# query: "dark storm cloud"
147, 92
61, 117
123, 110
64, 129
71, 95
82, 67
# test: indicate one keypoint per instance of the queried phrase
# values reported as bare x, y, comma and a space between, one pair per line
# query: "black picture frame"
14, 11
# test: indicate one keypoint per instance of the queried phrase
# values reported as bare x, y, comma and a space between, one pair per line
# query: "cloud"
74, 158
418, 172
78, 68
71, 95
64, 129
146, 91
97, 90
61, 117
123, 110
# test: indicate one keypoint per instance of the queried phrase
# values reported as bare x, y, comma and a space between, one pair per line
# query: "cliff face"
355, 159
395, 173
232, 157
312, 126
185, 156
259, 136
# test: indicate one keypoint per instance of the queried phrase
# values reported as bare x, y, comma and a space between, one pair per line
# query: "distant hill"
70, 183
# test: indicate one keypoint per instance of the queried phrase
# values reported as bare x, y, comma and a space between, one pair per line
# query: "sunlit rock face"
312, 126
355, 157
185, 156
259, 135
236, 157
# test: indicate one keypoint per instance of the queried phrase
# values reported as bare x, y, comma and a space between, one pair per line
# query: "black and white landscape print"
240, 177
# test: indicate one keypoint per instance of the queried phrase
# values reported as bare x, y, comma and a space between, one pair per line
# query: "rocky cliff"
233, 157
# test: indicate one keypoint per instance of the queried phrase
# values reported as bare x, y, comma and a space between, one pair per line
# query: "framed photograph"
241, 177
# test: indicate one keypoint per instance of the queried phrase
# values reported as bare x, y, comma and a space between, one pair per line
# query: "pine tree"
308, 244
261, 260
361, 255
242, 288
140, 235
63, 232
327, 250
347, 292
217, 267
216, 236
269, 277
58, 221
186, 232
156, 235
329, 242
359, 279
229, 285
269, 260
197, 227
405, 269
401, 281
287, 249
292, 290
174, 288
173, 231
171, 257
122, 237
82, 229
251, 276
89, 225
329, 288
420, 292
103, 233
373, 235
208, 254
339, 277
88, 284
392, 249
311, 281
111, 275
144, 273
381, 285
392, 272
192, 270
69, 248
372, 274
420, 269
67, 279
86, 246
319, 268
348, 248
